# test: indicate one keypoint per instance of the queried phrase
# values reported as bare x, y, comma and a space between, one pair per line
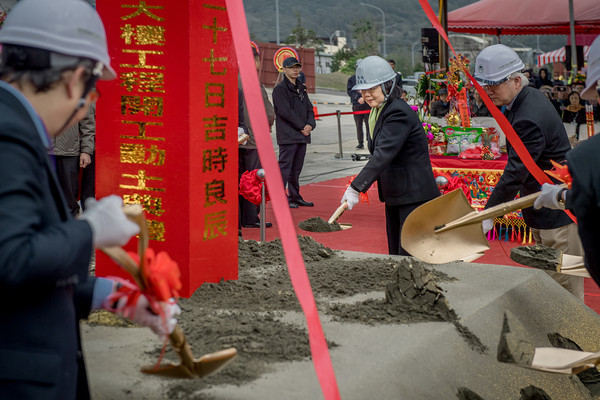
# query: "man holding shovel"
584, 196
534, 119
53, 52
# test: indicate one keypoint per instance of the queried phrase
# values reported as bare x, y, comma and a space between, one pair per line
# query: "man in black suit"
358, 104
53, 52
295, 120
498, 69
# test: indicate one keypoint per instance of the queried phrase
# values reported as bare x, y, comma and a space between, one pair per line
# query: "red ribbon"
281, 209
506, 127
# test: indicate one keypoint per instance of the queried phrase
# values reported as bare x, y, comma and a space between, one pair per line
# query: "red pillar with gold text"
167, 131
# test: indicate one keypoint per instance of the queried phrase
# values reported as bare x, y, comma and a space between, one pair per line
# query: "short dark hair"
21, 63
391, 60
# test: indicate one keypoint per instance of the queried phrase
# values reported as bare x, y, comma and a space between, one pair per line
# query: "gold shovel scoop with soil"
447, 228
189, 367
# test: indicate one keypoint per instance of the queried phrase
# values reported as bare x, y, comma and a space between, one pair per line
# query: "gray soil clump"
537, 256
260, 316
318, 224
590, 378
467, 394
514, 347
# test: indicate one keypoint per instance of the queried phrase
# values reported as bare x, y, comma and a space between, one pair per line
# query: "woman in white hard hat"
400, 163
583, 199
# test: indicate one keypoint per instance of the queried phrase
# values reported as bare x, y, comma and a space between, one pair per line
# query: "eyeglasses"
369, 90
496, 86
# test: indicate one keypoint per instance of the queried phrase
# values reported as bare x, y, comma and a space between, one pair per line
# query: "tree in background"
367, 40
303, 37
341, 59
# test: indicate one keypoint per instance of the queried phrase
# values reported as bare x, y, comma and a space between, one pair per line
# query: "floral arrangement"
2, 17
579, 78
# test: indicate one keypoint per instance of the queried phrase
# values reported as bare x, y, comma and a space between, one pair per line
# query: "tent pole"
574, 66
443, 46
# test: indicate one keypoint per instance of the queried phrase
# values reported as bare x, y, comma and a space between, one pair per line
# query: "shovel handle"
181, 346
338, 213
492, 212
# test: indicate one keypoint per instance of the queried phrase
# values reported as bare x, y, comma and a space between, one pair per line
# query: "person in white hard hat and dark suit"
583, 199
400, 163
53, 52
534, 119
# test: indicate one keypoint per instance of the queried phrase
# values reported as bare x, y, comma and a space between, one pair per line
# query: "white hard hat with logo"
372, 71
495, 63
593, 72
66, 27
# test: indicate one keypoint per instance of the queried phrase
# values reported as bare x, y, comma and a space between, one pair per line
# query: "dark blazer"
400, 163
44, 259
540, 128
584, 199
293, 111
355, 95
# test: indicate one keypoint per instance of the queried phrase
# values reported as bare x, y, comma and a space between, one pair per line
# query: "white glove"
110, 226
142, 314
549, 197
487, 225
350, 197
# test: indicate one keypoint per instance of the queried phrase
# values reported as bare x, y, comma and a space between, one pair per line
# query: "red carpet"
367, 233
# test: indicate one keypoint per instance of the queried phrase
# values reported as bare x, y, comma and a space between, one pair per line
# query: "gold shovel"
447, 228
189, 366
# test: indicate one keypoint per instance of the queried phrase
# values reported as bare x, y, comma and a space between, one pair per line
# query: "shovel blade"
208, 364
420, 240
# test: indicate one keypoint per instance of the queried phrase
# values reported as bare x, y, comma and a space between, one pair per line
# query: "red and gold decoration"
561, 173
477, 179
167, 129
458, 86
283, 53
589, 120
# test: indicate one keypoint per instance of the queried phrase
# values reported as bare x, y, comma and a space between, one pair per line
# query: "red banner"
167, 131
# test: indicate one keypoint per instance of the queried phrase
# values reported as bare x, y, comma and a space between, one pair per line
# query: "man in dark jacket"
542, 132
52, 54
295, 120
358, 104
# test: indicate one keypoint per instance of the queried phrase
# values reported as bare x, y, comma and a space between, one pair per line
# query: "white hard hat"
372, 71
593, 71
67, 27
495, 63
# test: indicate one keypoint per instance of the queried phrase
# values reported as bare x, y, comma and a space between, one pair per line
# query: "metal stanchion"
339, 122
263, 206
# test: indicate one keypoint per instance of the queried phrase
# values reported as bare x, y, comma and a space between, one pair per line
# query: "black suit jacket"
400, 163
540, 128
44, 259
584, 199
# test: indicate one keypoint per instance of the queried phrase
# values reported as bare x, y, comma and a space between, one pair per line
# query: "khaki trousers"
567, 240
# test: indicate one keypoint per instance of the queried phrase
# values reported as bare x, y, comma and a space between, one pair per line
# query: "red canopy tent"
525, 17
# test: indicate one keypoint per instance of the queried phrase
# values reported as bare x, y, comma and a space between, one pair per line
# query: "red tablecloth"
463, 163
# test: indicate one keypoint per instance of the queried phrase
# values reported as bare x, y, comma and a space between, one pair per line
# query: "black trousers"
359, 120
67, 170
248, 161
394, 220
88, 182
291, 161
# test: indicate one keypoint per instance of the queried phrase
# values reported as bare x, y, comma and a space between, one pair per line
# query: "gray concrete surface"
408, 361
